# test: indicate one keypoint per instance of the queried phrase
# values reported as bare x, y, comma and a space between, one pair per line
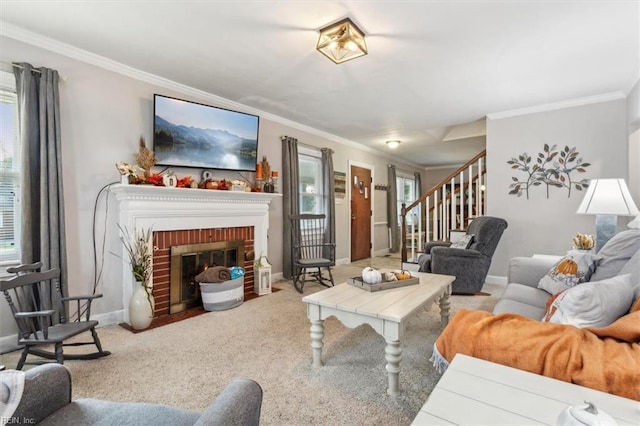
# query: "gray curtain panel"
329, 201
418, 178
43, 229
392, 209
290, 199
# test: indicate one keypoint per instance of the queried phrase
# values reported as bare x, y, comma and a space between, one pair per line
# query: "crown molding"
38, 40
606, 97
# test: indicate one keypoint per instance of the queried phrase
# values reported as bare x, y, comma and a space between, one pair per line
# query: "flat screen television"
189, 134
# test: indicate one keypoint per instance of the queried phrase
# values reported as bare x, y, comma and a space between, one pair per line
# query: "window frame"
314, 156
8, 94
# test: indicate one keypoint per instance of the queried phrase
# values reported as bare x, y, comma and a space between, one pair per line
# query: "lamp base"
606, 225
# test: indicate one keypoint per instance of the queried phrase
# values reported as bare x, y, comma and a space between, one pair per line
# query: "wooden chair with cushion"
40, 311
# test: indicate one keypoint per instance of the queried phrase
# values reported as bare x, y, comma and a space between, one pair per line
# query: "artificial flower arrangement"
583, 241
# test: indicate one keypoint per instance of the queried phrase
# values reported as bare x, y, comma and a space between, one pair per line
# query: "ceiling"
432, 65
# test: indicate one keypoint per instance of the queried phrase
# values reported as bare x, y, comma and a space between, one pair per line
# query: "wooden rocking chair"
311, 252
40, 310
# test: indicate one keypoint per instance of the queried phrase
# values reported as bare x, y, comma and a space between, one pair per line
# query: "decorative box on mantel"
172, 209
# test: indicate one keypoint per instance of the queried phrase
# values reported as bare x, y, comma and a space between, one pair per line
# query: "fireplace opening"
189, 260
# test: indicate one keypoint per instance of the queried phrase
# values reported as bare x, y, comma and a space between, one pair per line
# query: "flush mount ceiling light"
393, 144
342, 41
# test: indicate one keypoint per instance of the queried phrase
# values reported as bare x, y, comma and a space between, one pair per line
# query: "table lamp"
607, 199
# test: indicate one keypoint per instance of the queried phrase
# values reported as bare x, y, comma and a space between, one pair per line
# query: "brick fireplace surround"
187, 216
164, 240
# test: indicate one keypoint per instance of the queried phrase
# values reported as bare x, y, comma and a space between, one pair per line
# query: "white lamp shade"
608, 196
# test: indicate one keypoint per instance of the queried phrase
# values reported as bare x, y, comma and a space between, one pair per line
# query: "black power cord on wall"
97, 272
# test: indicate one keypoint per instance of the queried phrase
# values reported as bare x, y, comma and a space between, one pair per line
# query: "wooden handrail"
441, 201
444, 181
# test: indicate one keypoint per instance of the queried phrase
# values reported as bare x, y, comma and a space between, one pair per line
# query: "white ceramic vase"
140, 308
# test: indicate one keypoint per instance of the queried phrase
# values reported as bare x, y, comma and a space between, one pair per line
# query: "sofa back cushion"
616, 253
633, 268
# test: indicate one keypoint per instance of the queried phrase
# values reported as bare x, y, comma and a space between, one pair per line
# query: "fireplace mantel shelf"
163, 193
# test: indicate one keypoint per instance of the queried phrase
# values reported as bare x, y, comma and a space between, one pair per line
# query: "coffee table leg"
445, 304
393, 355
317, 333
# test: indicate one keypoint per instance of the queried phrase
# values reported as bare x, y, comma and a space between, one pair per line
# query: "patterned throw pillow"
464, 242
575, 268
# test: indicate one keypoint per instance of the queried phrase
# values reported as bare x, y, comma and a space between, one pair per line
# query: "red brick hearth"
164, 240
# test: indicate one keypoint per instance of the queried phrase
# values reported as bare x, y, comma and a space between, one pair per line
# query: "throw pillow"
464, 242
575, 268
592, 304
616, 253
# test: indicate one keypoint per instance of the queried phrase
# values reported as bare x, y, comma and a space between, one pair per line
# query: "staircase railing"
449, 205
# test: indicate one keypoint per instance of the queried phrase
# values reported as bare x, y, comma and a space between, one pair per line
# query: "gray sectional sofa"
621, 255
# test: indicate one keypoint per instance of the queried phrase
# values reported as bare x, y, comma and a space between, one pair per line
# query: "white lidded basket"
222, 296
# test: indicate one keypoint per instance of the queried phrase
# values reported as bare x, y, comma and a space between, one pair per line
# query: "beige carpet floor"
187, 363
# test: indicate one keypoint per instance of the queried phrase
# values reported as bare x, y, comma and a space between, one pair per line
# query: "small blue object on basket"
236, 272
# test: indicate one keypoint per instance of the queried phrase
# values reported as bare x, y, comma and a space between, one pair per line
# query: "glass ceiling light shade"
607, 199
342, 41
393, 144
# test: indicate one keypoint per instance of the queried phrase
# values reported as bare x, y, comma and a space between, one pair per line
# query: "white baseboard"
381, 253
109, 318
9, 343
344, 261
496, 279
278, 276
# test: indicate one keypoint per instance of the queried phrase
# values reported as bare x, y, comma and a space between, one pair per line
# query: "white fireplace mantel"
173, 209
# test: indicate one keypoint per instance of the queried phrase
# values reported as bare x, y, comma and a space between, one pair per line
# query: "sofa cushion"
526, 294
616, 253
592, 304
504, 306
632, 267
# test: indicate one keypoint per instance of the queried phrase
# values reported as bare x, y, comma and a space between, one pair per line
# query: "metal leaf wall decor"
551, 168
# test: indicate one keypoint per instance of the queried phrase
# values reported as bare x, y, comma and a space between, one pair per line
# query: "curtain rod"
11, 64
21, 67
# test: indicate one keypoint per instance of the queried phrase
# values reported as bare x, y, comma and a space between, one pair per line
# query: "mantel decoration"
141, 174
141, 304
551, 168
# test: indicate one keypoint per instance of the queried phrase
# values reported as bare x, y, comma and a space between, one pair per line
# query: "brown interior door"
360, 213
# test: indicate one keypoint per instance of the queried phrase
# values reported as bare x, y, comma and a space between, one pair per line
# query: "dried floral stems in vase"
145, 158
140, 256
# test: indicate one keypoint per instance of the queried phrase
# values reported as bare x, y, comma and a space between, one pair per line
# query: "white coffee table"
385, 311
477, 392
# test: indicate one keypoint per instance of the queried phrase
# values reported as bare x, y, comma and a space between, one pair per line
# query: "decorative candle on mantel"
259, 171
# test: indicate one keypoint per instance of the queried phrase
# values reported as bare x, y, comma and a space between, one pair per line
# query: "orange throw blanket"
606, 359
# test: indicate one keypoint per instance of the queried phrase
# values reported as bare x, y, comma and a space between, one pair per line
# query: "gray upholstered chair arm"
428, 246
238, 404
529, 270
47, 388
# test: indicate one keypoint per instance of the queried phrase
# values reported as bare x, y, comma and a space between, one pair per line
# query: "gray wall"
541, 225
103, 115
435, 175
